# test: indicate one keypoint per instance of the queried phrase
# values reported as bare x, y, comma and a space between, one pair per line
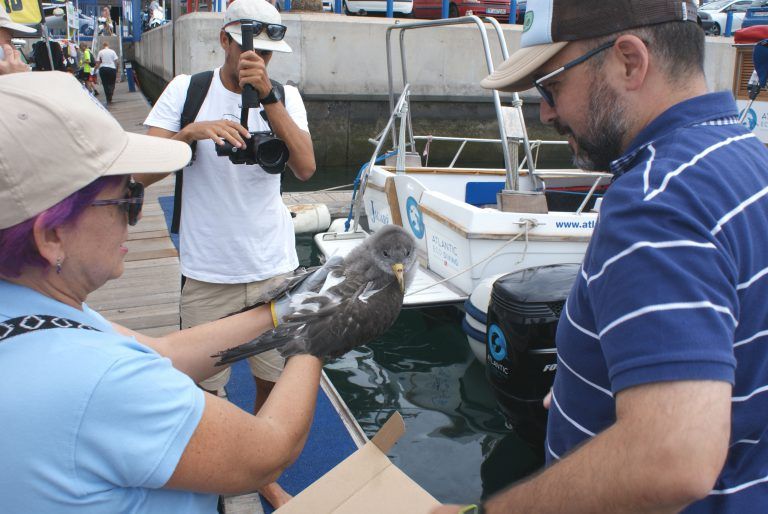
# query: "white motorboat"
469, 223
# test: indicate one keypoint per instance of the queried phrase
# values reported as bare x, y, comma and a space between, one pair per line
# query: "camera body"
262, 148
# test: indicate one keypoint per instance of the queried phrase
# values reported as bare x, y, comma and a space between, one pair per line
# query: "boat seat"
482, 193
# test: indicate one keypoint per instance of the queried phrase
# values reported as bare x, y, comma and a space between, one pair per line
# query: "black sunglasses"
131, 204
274, 31
539, 83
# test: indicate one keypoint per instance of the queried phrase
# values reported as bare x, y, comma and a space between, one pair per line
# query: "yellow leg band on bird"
274, 314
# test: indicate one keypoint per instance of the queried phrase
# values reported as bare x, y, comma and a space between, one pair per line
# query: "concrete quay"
339, 63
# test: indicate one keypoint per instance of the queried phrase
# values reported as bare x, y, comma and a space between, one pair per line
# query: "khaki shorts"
202, 302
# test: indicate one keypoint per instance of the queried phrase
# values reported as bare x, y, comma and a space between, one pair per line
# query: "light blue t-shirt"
90, 421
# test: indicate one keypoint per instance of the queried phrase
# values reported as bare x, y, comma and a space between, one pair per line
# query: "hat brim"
260, 42
517, 73
17, 28
150, 154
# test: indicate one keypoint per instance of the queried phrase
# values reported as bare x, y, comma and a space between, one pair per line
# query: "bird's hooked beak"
399, 270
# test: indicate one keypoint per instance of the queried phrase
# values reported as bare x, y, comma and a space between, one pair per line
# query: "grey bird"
347, 302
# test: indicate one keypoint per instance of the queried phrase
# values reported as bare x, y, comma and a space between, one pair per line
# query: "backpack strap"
33, 322
196, 93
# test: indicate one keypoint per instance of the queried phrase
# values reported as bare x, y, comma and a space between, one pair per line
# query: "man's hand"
12, 62
217, 131
253, 71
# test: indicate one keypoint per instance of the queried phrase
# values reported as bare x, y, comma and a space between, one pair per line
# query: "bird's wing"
331, 329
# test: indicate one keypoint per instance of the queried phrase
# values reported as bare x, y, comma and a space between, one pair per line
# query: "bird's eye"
386, 253
407, 253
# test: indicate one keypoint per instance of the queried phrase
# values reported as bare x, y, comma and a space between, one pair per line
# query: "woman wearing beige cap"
96, 417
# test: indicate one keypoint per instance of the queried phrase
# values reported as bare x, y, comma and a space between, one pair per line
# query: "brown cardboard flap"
388, 434
365, 482
391, 492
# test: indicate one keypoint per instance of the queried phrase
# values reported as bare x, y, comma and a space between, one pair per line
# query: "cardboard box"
366, 482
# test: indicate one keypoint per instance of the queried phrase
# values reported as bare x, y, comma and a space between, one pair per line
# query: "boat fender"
338, 225
310, 218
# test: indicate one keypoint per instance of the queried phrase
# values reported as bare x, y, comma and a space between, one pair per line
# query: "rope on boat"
527, 225
302, 193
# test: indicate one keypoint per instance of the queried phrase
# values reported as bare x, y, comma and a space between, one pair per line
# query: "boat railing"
513, 180
535, 145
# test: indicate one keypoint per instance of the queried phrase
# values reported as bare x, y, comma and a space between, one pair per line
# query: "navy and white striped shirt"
674, 286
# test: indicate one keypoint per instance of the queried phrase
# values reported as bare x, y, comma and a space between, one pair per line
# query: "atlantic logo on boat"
378, 216
445, 250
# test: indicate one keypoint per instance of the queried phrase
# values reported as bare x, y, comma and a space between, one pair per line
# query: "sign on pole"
23, 11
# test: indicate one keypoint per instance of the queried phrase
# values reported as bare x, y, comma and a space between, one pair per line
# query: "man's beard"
607, 125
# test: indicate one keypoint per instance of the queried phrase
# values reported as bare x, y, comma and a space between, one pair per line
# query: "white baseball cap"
56, 139
18, 28
257, 11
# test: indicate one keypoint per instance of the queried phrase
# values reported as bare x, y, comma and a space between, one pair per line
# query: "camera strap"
198, 88
34, 322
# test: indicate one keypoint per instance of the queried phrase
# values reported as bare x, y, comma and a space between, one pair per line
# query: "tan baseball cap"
17, 29
57, 139
255, 10
551, 24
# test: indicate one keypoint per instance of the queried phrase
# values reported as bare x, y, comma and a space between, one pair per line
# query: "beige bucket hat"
55, 139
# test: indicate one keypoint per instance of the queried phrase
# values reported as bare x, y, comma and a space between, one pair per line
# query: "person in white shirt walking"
107, 62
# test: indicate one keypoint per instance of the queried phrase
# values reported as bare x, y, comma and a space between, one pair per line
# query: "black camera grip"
250, 98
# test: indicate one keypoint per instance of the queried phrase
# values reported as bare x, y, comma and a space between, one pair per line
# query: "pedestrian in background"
107, 64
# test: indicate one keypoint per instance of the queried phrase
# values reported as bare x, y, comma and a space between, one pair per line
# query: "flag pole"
46, 36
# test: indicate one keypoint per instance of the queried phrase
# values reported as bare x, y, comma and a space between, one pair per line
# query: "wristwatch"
271, 98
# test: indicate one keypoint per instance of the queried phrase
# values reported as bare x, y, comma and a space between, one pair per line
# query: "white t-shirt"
234, 225
108, 58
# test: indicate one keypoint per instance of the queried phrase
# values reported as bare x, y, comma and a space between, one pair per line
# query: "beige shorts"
202, 302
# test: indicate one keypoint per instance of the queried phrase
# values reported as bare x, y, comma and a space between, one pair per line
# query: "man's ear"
634, 60
48, 242
223, 39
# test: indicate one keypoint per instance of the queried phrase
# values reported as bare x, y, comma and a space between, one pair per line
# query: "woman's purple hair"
17, 243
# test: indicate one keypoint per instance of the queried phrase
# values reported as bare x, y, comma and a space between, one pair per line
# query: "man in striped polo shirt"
660, 403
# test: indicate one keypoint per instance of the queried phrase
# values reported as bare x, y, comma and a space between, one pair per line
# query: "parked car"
363, 7
757, 14
327, 5
499, 9
714, 15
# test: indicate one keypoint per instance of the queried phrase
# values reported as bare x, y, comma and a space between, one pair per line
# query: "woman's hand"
216, 131
11, 62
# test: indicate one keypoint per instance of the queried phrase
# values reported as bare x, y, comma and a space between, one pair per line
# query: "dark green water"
456, 444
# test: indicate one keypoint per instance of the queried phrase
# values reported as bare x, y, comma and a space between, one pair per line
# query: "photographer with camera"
236, 233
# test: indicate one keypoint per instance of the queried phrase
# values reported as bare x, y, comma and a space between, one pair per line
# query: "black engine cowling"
521, 357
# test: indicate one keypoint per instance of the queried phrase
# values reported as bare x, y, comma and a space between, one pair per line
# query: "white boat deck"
425, 290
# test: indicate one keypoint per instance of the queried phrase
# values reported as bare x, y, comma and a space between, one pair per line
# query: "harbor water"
456, 444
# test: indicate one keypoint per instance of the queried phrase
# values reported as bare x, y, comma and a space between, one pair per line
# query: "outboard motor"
520, 341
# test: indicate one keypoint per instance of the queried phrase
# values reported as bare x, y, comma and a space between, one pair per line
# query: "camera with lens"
262, 148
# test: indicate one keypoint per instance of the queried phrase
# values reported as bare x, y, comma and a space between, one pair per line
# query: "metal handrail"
517, 103
512, 174
401, 102
535, 144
